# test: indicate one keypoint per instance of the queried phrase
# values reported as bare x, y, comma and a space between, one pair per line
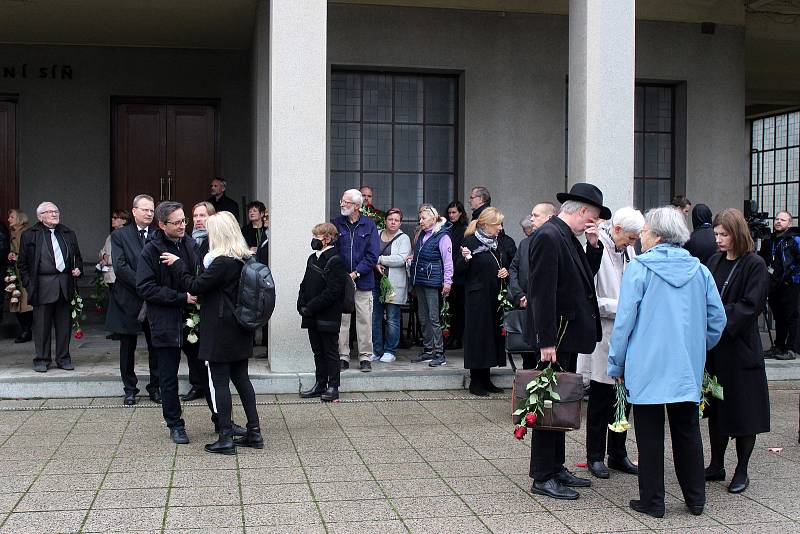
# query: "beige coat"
22, 306
108, 276
607, 283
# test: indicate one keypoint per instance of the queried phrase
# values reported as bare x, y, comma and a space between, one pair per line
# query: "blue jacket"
669, 314
427, 267
358, 246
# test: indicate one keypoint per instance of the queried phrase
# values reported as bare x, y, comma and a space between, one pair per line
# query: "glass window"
397, 134
654, 140
775, 163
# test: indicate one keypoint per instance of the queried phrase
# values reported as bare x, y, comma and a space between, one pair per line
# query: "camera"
757, 221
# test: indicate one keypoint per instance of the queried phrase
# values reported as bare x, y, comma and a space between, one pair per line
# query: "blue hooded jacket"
669, 315
358, 246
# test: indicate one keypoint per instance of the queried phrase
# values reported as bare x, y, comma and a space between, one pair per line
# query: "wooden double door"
168, 150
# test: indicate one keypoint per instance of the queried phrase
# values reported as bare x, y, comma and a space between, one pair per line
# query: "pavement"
419, 461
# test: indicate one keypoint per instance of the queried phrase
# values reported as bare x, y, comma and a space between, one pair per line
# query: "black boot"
224, 445
331, 394
316, 391
487, 382
24, 337
253, 439
476, 383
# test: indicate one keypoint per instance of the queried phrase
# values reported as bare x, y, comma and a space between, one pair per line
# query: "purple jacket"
358, 246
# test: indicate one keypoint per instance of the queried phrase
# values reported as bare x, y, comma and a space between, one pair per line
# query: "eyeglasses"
346, 202
179, 222
474, 196
50, 212
144, 210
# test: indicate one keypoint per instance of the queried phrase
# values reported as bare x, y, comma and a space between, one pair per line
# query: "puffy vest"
427, 268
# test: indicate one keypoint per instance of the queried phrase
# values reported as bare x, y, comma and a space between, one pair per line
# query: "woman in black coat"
483, 266
319, 303
224, 344
737, 361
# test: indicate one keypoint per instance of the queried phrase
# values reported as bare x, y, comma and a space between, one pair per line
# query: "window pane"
792, 199
638, 154
377, 147
794, 128
345, 146
440, 100
439, 191
345, 97
638, 193
664, 156
378, 98
639, 109
780, 197
650, 194
439, 148
780, 131
793, 161
408, 193
651, 155
340, 182
757, 131
665, 109
381, 184
408, 99
769, 133
768, 167
767, 195
664, 194
651, 108
408, 148
780, 165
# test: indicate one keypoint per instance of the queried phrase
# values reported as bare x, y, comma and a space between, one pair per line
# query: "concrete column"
260, 102
601, 97
297, 163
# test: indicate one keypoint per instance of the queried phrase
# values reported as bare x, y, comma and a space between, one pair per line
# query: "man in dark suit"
220, 200
125, 304
563, 315
49, 260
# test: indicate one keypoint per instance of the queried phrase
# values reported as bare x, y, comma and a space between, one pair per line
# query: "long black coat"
483, 342
222, 339
30, 251
518, 272
562, 302
322, 295
124, 303
160, 287
737, 360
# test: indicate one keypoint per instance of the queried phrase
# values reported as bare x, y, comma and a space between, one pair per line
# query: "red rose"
445, 333
503, 332
78, 334
520, 431
530, 419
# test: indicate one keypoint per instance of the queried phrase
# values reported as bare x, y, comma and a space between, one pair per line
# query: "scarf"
488, 242
200, 235
207, 259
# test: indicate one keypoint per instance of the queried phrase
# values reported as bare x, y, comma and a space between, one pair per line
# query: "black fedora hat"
588, 193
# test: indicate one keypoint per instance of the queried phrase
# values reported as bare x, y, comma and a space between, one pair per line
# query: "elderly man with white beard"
358, 247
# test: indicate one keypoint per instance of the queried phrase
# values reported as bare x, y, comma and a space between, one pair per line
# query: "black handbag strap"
556, 366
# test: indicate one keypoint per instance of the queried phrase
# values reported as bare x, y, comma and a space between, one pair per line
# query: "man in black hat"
563, 314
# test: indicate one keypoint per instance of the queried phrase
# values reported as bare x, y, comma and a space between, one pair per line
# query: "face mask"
316, 244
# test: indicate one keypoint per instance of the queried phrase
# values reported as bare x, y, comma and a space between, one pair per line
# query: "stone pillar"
601, 97
260, 102
297, 163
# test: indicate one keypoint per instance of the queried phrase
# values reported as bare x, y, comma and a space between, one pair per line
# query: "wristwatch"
358, 274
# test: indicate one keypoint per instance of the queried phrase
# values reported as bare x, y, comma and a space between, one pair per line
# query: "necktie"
57, 252
141, 234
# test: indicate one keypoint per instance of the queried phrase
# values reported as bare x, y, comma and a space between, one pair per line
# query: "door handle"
169, 185
161, 194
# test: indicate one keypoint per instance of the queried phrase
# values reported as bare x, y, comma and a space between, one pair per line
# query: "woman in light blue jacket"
669, 315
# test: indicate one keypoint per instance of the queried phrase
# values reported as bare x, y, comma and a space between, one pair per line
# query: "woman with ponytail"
482, 264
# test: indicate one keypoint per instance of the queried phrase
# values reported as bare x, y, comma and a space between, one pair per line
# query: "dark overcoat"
518, 272
484, 346
30, 253
322, 295
737, 360
562, 302
124, 303
222, 339
160, 287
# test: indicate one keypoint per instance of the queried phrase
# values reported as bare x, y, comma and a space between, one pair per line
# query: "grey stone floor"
378, 462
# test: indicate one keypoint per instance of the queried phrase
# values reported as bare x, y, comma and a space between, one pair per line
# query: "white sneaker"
388, 357
374, 357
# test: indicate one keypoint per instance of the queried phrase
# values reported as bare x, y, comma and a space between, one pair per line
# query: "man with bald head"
518, 272
49, 261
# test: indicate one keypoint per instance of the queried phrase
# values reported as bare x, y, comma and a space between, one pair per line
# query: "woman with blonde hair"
224, 344
482, 264
431, 274
18, 223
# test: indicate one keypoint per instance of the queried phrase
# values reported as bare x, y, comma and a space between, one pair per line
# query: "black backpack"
255, 300
349, 296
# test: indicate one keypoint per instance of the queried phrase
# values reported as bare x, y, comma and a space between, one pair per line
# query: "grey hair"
223, 181
137, 198
482, 192
574, 206
667, 223
526, 223
40, 207
630, 219
355, 196
167, 208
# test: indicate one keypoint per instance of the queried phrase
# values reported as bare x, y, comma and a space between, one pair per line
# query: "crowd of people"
630, 298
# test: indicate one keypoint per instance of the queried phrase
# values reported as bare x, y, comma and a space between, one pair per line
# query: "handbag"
514, 323
565, 414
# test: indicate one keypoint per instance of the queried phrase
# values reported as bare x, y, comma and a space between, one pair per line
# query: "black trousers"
127, 361
46, 317
547, 448
325, 346
222, 374
169, 358
687, 451
783, 303
25, 320
198, 374
599, 413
